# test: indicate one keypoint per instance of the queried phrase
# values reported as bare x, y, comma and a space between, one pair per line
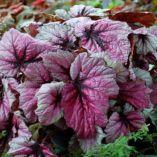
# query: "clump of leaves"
77, 79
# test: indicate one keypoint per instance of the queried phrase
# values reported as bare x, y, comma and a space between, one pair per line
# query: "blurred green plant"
112, 3
94, 3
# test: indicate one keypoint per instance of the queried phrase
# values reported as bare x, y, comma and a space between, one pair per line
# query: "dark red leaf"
145, 18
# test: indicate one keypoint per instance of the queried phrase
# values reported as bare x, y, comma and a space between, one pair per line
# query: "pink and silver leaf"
49, 99
61, 13
17, 51
87, 144
122, 72
153, 94
58, 64
28, 101
85, 98
24, 146
7, 99
19, 127
152, 30
121, 124
85, 11
37, 75
135, 93
60, 36
73, 22
145, 41
105, 35
143, 75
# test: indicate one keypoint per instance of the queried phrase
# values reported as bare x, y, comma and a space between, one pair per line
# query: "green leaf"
141, 134
35, 130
